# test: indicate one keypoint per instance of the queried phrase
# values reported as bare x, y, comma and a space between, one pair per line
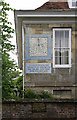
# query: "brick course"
41, 108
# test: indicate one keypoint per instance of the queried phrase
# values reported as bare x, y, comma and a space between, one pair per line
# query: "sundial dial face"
38, 46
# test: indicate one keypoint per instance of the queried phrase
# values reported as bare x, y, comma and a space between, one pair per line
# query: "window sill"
62, 66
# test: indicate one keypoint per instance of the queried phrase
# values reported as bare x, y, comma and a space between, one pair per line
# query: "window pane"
66, 38
64, 60
65, 52
57, 53
62, 38
61, 60
57, 60
61, 56
74, 4
57, 38
57, 56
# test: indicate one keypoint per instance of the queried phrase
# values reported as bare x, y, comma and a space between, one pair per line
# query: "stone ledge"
26, 100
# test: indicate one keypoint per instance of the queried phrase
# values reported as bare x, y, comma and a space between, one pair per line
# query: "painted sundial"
38, 47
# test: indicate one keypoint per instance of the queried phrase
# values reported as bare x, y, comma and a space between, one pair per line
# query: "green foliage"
19, 83
11, 79
28, 93
9, 68
46, 94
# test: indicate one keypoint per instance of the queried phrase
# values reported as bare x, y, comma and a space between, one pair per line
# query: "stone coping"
28, 100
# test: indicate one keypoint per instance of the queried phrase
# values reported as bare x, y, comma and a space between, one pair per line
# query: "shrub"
28, 93
46, 94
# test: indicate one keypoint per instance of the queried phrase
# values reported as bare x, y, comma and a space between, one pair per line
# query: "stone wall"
39, 109
59, 78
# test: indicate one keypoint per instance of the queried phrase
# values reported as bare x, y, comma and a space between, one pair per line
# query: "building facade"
46, 44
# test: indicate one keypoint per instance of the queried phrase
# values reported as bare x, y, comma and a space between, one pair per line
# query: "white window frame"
63, 65
70, 3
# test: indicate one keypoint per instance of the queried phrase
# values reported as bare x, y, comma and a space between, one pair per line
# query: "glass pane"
57, 38
62, 38
66, 38
57, 60
57, 53
64, 60
65, 52
74, 3
61, 56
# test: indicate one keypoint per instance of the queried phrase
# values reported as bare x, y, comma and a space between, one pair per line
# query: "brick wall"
43, 108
